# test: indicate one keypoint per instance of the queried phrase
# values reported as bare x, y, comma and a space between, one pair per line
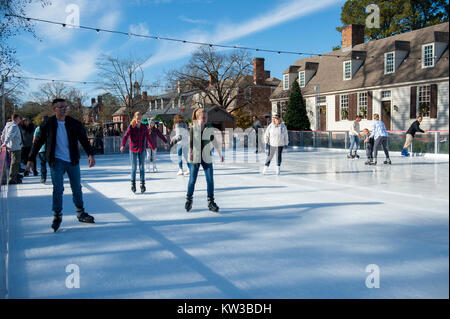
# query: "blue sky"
71, 54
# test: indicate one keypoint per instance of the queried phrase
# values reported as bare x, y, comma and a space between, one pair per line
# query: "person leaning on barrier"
413, 129
61, 135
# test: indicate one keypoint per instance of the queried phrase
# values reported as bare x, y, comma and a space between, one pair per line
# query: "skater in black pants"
369, 145
256, 126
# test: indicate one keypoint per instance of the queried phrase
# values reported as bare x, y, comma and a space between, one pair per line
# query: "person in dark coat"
413, 129
27, 129
61, 135
256, 126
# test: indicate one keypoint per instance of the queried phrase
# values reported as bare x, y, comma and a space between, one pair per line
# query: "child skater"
276, 137
155, 133
200, 139
368, 141
139, 136
180, 127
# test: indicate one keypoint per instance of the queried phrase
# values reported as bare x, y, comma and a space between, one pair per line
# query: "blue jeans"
43, 162
193, 170
133, 158
354, 143
57, 172
180, 156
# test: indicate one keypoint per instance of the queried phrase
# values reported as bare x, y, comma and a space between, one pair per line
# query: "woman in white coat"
276, 137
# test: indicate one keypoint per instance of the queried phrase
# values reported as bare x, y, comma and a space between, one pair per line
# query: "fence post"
314, 139
330, 137
346, 140
437, 137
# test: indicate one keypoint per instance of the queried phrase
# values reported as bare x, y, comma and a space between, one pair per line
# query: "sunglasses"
64, 107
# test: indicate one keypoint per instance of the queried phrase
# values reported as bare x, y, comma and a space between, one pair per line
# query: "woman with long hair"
200, 139
180, 127
276, 137
139, 137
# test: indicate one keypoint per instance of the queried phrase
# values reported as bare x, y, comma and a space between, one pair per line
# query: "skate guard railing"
433, 141
3, 223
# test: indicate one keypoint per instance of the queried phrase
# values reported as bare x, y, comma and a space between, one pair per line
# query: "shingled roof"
329, 73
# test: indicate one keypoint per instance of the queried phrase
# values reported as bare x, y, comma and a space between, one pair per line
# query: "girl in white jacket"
276, 137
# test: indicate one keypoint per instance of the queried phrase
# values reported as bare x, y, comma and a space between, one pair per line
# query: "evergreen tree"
242, 118
296, 117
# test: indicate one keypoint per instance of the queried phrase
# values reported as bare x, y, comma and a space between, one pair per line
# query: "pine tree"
296, 117
243, 119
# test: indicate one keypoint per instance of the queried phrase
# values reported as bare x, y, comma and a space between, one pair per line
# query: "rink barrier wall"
4, 221
431, 142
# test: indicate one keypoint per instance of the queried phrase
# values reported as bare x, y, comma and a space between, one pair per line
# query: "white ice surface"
308, 233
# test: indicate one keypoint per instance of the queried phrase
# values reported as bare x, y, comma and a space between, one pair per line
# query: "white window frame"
300, 74
386, 97
362, 97
386, 62
285, 81
343, 101
432, 55
424, 96
343, 70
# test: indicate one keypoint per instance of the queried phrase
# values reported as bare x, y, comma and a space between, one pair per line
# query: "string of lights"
211, 45
77, 82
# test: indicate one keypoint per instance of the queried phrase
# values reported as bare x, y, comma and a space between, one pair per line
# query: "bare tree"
123, 78
52, 90
222, 78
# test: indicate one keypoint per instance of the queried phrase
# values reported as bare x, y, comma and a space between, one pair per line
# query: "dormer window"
301, 76
389, 65
347, 66
428, 55
286, 81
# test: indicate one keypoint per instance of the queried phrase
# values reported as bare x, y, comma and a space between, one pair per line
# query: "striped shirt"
139, 137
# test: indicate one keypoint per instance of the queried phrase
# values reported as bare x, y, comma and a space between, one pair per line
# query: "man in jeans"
12, 139
380, 135
354, 138
61, 135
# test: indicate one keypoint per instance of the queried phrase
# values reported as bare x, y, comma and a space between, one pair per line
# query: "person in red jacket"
155, 133
139, 137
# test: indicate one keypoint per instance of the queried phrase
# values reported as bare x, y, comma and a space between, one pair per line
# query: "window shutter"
433, 101
337, 107
352, 107
369, 105
413, 103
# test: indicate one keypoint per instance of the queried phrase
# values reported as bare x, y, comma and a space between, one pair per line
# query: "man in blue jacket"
380, 135
61, 135
413, 129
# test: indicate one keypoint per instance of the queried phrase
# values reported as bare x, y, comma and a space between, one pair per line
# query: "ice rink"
309, 233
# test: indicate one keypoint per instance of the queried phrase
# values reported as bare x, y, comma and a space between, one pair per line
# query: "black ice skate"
84, 217
142, 187
387, 161
350, 156
57, 219
133, 187
369, 160
188, 205
355, 156
212, 206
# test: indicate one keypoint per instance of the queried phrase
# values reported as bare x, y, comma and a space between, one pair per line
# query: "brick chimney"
352, 34
259, 75
144, 95
93, 101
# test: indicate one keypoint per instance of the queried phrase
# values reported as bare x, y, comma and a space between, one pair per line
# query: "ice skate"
265, 170
133, 187
350, 155
84, 217
387, 161
57, 219
180, 172
188, 205
212, 205
143, 187
277, 170
186, 173
154, 168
